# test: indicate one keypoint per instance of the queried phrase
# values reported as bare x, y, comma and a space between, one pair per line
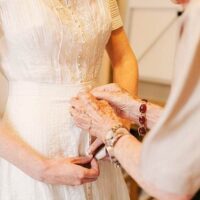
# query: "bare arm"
98, 118
126, 104
16, 151
131, 147
123, 61
62, 171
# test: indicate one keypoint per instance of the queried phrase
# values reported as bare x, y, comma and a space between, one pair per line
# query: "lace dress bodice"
54, 41
50, 50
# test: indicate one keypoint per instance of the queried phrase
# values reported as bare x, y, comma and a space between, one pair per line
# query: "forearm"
128, 152
131, 147
124, 63
153, 113
125, 73
16, 151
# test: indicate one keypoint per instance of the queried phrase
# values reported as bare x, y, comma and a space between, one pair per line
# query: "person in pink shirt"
167, 163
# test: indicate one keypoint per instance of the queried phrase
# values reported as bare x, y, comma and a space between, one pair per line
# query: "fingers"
88, 99
84, 101
95, 165
77, 115
81, 120
76, 103
94, 171
94, 146
113, 87
81, 160
88, 174
91, 105
110, 97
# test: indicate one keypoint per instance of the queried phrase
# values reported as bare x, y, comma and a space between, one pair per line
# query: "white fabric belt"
26, 88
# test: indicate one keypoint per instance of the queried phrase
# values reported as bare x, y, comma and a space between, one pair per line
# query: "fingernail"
89, 153
90, 156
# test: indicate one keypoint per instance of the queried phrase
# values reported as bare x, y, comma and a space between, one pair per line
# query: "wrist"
121, 141
110, 128
112, 138
40, 169
135, 112
133, 107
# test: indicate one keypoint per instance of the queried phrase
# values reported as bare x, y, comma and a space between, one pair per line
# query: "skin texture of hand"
70, 171
93, 116
125, 105
119, 98
67, 171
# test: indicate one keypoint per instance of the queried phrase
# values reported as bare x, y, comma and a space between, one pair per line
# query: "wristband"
112, 138
142, 130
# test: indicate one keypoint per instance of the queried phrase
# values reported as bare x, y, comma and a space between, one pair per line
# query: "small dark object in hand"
86, 165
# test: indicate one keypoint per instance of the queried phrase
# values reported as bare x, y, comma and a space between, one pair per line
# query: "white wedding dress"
50, 50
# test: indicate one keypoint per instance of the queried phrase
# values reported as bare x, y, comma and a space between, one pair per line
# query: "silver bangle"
112, 138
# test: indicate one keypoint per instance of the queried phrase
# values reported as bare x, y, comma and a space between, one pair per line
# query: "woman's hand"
98, 150
70, 171
127, 106
119, 98
96, 117
61, 171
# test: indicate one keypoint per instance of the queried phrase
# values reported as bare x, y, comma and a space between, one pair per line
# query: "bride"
50, 50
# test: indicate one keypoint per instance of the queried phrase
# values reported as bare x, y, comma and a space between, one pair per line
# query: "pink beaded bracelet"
142, 130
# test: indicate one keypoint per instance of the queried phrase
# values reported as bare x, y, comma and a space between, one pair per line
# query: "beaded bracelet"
142, 130
111, 139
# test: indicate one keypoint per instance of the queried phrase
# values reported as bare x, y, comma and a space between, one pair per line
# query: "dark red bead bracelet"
142, 130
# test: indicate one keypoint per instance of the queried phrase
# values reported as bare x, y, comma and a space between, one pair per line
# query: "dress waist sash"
26, 88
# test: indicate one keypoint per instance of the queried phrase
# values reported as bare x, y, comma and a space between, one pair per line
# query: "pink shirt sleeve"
171, 151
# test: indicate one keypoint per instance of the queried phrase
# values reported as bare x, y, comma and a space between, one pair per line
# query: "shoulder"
193, 9
115, 14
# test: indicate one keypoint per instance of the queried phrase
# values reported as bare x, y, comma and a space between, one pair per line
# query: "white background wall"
153, 28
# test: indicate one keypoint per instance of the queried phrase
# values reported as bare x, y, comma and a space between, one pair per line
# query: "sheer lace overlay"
49, 51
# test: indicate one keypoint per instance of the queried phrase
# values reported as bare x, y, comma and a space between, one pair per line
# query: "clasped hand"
100, 110
70, 171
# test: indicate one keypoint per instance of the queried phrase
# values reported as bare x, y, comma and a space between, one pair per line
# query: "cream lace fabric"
49, 51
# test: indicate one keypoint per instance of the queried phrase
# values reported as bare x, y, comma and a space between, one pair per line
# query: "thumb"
95, 146
94, 164
112, 87
104, 95
82, 160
